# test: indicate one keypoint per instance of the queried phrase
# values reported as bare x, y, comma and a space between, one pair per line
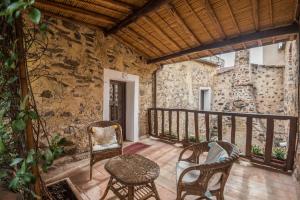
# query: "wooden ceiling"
165, 31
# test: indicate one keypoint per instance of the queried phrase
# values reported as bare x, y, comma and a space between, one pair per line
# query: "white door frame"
132, 100
209, 97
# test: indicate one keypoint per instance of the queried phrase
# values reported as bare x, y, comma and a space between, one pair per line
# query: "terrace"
100, 61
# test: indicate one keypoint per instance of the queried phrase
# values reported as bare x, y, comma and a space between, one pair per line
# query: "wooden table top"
132, 169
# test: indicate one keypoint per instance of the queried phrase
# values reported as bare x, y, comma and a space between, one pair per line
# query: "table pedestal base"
131, 192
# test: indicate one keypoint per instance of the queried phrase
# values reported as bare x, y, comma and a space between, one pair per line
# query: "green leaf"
16, 161
33, 114
35, 15
23, 167
18, 125
3, 174
24, 102
30, 157
14, 183
43, 27
2, 146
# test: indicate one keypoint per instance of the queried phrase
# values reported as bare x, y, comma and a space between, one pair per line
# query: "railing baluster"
162, 122
269, 140
178, 125
292, 144
219, 126
155, 122
187, 126
170, 122
207, 126
233, 129
196, 126
248, 136
149, 122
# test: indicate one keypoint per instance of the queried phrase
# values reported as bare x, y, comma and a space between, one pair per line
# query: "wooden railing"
172, 116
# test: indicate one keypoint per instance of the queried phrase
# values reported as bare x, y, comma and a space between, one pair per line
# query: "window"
205, 99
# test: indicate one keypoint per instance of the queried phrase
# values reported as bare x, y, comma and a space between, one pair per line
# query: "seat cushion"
216, 153
103, 147
188, 177
102, 136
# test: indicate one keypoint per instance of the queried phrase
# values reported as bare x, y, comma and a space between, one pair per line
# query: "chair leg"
179, 191
220, 195
91, 171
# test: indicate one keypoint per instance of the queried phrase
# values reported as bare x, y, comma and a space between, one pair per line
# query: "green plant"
20, 155
257, 150
279, 153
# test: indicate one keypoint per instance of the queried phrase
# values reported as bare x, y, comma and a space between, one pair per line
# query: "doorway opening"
117, 104
205, 99
127, 92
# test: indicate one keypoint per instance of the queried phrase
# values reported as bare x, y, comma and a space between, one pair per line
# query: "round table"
132, 177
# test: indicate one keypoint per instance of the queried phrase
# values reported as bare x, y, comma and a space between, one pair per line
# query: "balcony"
245, 182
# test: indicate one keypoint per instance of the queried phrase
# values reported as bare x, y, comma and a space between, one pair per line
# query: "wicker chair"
194, 179
108, 151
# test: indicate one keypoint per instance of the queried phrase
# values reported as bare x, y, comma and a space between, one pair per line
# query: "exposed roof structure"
167, 31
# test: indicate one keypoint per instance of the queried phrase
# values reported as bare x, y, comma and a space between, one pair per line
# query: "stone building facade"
246, 88
68, 80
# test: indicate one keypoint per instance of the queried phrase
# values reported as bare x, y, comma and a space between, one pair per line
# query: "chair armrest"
119, 134
197, 150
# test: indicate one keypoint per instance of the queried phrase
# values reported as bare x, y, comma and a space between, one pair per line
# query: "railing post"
249, 121
219, 126
233, 127
196, 126
177, 125
149, 122
292, 144
155, 122
170, 122
162, 122
187, 126
269, 140
207, 126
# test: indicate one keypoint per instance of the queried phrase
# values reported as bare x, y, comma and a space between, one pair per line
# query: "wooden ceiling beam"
159, 31
296, 11
120, 39
87, 5
198, 18
148, 7
144, 39
270, 5
132, 41
211, 13
115, 5
144, 43
171, 27
76, 13
232, 16
255, 13
182, 23
290, 29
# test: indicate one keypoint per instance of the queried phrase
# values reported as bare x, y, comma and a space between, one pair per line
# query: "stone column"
242, 87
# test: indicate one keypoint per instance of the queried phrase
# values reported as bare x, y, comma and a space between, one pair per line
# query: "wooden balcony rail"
183, 135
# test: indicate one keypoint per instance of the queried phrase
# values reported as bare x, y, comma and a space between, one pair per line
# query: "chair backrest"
103, 124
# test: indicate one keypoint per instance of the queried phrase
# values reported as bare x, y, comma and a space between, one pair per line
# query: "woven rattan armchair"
195, 178
108, 151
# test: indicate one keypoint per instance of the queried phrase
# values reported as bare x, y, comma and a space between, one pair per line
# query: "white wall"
228, 59
256, 55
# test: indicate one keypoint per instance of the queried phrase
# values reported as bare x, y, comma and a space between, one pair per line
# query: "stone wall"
246, 88
178, 87
68, 80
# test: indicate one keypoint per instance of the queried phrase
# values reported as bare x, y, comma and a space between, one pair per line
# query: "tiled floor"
245, 182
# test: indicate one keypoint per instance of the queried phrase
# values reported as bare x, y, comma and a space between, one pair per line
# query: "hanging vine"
20, 160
